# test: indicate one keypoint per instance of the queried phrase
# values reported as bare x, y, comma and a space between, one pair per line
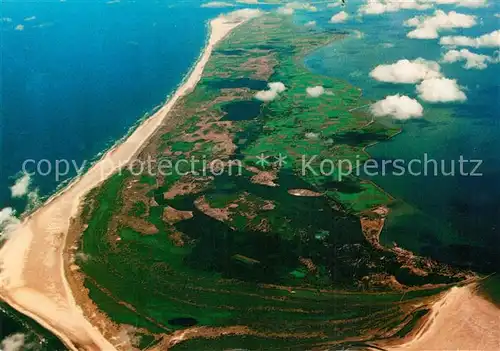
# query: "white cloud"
301, 6
472, 60
398, 106
487, 40
310, 24
497, 15
377, 7
423, 33
275, 88
266, 95
334, 4
32, 18
82, 257
405, 71
243, 14
427, 27
440, 90
33, 199
21, 186
462, 3
127, 336
315, 91
358, 34
14, 342
339, 17
6, 19
473, 3
8, 222
285, 11
311, 135
290, 8
217, 4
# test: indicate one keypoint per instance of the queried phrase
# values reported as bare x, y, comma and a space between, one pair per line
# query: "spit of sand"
32, 278
460, 320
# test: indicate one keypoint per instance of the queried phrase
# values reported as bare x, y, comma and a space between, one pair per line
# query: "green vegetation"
234, 252
139, 208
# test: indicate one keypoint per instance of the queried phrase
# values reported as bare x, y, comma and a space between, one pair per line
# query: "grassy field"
237, 254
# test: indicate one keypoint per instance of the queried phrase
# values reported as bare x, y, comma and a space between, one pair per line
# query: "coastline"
66, 184
460, 320
419, 335
33, 278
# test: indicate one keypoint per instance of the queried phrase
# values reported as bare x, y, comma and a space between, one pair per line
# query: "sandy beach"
32, 279
33, 274
460, 320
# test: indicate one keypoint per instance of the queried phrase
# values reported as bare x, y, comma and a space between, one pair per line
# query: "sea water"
455, 219
77, 75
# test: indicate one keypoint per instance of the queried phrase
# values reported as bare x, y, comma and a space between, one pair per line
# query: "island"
239, 245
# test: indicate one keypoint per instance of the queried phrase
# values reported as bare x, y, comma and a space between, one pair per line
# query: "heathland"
252, 252
33, 275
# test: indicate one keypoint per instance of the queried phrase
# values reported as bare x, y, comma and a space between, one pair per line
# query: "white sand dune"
461, 320
32, 279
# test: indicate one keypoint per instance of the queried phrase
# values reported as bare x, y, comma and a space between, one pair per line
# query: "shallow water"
452, 218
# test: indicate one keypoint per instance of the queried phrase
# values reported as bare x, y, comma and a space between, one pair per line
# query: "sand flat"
461, 320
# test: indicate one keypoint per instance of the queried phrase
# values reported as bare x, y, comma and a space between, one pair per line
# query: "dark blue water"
80, 74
